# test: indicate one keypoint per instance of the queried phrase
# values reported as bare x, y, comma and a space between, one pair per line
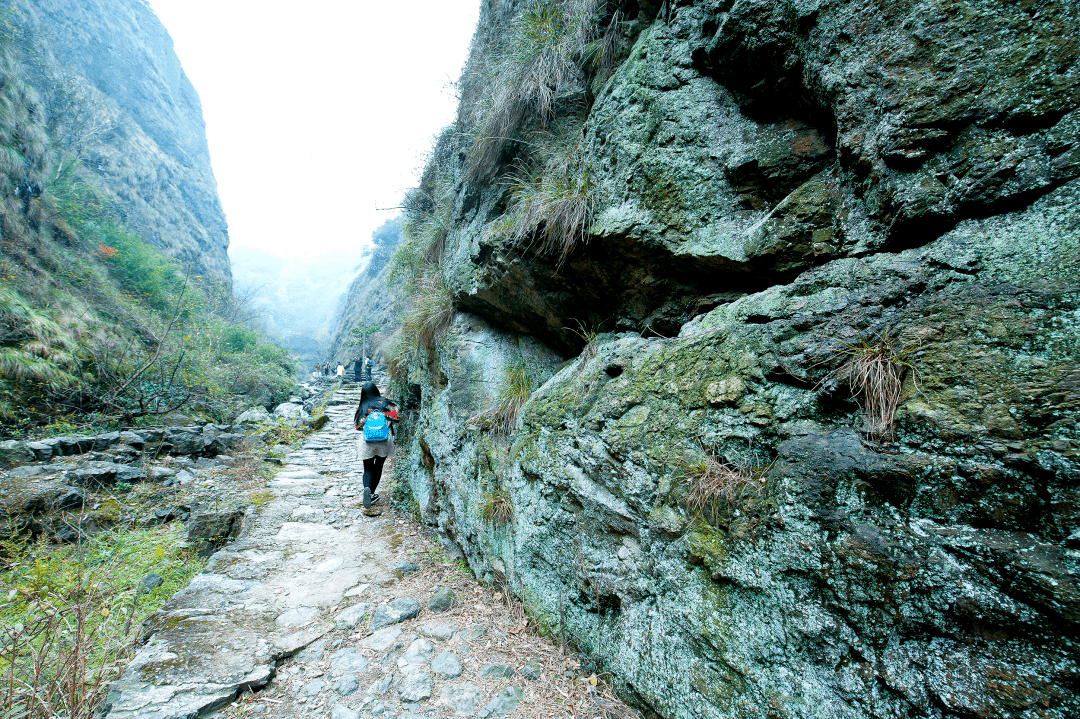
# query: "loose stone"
383, 639
396, 611
349, 618
401, 569
504, 701
496, 671
416, 687
462, 698
446, 665
471, 634
380, 687
150, 582
347, 660
340, 711
436, 630
532, 670
441, 601
418, 653
312, 688
346, 685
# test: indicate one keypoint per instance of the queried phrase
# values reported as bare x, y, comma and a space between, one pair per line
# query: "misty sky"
320, 111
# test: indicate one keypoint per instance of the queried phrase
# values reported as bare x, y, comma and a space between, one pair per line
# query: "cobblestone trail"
320, 609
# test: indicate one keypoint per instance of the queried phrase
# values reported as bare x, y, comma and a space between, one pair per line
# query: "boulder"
105, 474
288, 410
132, 439
224, 442
215, 528
184, 440
13, 453
396, 611
104, 441
42, 452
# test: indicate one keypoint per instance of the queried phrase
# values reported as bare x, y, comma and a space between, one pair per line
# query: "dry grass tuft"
431, 312
707, 480
498, 509
551, 207
551, 44
517, 384
874, 368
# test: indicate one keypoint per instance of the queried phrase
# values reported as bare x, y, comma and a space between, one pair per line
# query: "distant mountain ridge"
137, 125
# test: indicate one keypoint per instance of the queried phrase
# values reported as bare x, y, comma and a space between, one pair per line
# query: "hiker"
375, 417
318, 370
358, 369
340, 371
367, 368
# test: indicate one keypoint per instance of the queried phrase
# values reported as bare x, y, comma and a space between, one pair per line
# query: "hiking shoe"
374, 498
367, 498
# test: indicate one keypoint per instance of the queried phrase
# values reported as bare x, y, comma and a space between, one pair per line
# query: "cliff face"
118, 101
784, 195
369, 303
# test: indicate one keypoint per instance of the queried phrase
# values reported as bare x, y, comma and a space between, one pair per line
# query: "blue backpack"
376, 427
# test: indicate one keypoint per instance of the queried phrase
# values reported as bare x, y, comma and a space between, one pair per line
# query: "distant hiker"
358, 369
340, 371
374, 419
367, 369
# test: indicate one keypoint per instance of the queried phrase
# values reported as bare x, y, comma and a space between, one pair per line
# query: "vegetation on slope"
525, 95
97, 327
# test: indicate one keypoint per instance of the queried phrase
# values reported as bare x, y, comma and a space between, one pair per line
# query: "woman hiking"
374, 419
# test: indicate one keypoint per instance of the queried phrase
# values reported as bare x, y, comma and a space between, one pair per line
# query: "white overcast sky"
318, 112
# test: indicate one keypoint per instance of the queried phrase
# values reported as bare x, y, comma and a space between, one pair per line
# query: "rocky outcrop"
119, 101
782, 188
369, 303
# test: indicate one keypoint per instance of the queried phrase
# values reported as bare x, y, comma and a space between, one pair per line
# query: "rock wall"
781, 187
118, 100
369, 301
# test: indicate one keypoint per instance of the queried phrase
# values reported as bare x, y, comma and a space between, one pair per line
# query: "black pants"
373, 472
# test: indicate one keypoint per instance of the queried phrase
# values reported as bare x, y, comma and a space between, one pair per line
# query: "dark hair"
369, 399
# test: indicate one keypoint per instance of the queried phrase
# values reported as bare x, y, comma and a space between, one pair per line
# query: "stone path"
321, 611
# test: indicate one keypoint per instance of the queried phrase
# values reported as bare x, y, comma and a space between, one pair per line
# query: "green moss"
706, 545
661, 195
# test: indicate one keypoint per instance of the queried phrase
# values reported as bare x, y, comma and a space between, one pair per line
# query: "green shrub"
71, 616
239, 339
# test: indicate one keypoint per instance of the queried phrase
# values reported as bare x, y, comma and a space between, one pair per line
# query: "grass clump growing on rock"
514, 390
497, 508
431, 312
874, 367
717, 490
549, 47
550, 210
